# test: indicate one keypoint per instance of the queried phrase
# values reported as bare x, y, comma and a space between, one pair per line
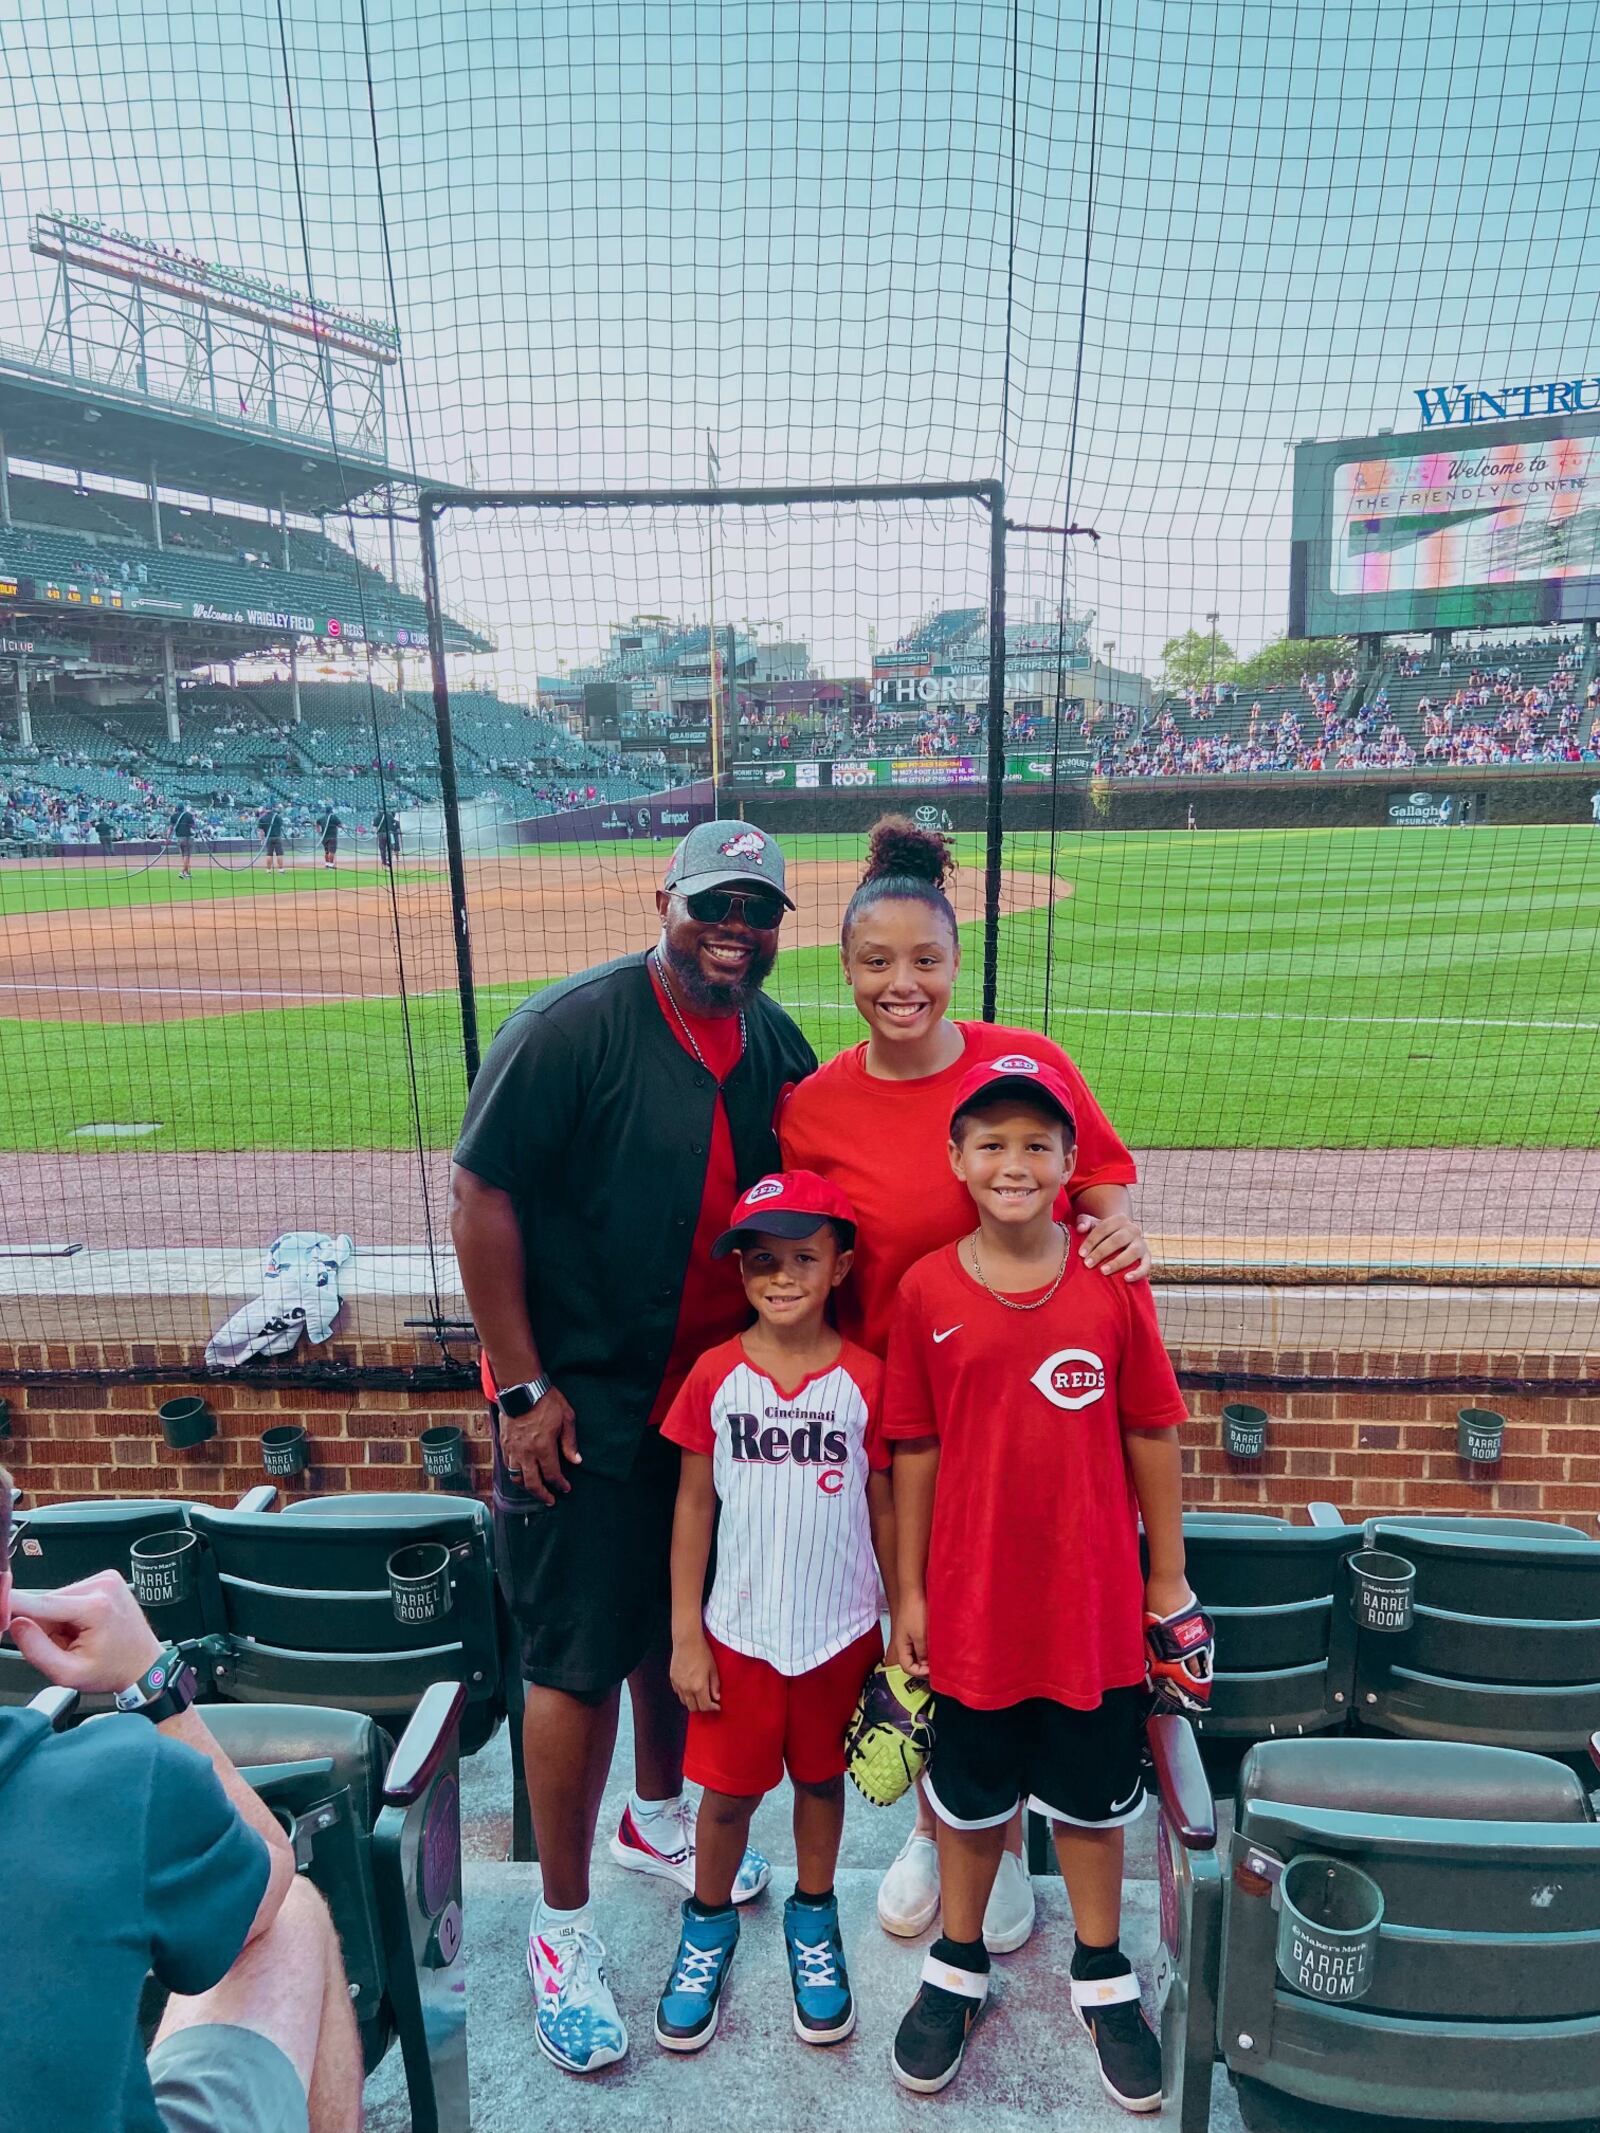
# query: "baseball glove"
887, 1742
1178, 1652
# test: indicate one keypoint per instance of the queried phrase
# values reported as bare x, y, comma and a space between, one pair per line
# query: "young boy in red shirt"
780, 1428
1033, 1415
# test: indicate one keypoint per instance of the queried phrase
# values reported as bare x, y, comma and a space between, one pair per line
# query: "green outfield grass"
116, 884
1316, 988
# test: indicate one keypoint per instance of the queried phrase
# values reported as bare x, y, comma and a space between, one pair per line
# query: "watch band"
166, 1687
526, 1396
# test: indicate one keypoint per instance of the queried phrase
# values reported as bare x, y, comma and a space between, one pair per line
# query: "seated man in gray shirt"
129, 1847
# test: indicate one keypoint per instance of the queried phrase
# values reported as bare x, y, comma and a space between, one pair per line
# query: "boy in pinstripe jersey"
779, 1427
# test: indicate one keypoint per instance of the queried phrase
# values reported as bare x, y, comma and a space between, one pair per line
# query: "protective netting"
1317, 917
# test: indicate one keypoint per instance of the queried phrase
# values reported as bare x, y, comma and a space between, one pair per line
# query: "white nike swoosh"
945, 1335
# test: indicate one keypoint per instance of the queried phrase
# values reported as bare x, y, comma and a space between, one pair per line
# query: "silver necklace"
1010, 1302
678, 1017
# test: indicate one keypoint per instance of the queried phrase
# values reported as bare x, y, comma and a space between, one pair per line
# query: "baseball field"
1259, 989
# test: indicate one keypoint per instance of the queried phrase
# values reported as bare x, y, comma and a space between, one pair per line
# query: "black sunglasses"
757, 908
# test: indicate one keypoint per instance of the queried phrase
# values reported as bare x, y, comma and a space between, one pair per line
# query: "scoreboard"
1458, 528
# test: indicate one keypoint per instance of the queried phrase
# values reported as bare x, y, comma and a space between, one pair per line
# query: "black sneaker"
934, 2029
1126, 2046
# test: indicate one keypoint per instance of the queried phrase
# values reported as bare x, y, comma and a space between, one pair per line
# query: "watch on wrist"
166, 1687
517, 1400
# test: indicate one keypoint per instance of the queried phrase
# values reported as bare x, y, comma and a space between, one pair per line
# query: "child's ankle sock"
1089, 1961
810, 1897
697, 1909
961, 1954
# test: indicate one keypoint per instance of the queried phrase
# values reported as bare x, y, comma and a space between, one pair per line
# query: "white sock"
546, 1915
652, 1810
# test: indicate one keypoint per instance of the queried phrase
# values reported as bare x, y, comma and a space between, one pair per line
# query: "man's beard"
705, 995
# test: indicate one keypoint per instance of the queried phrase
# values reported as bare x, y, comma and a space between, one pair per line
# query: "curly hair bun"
897, 849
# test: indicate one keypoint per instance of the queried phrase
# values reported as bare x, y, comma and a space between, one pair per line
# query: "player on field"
181, 830
329, 824
270, 823
779, 1428
1033, 1416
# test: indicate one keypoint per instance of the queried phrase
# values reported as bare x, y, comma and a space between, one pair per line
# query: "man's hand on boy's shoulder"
695, 1680
1115, 1244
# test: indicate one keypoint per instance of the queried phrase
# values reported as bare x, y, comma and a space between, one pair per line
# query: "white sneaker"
908, 1895
1008, 1915
665, 1846
575, 2017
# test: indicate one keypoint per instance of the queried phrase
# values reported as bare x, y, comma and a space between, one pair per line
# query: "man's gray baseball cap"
715, 855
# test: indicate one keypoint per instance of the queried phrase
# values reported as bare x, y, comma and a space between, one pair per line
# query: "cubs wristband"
1178, 1651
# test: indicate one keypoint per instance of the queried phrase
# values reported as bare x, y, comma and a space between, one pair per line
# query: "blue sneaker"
686, 2013
824, 2012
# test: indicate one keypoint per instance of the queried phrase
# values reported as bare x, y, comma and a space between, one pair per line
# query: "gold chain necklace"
1010, 1302
678, 1016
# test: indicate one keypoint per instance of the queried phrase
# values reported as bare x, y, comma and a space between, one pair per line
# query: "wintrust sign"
1459, 404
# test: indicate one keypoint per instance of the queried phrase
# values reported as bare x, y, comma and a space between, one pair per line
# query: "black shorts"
1085, 1767
274, 847
588, 1578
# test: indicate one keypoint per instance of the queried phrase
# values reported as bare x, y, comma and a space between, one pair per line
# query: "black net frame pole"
437, 499
994, 827
449, 794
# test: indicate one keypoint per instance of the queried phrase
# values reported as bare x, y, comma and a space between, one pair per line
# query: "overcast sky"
613, 226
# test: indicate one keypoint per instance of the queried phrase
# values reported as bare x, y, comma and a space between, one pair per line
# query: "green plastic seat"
1504, 1644
1285, 1650
64, 1542
304, 1614
1484, 2001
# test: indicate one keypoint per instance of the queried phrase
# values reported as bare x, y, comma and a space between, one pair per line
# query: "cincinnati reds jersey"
1034, 1585
796, 1578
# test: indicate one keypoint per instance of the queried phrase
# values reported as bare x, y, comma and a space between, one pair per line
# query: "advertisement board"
1422, 810
1472, 527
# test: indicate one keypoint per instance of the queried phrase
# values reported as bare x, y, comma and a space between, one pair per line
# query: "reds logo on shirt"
1072, 1377
748, 844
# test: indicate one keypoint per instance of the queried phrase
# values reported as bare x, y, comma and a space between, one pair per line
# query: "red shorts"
770, 1722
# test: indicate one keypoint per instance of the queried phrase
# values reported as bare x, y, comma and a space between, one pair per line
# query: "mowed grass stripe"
1295, 989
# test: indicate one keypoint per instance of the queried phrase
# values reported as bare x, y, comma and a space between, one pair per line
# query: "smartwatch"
518, 1400
166, 1687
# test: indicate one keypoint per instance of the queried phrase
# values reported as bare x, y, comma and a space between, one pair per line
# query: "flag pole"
713, 466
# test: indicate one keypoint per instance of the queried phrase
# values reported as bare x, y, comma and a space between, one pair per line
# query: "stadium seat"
377, 1828
1504, 1642
305, 1615
66, 1541
1482, 1997
1285, 1650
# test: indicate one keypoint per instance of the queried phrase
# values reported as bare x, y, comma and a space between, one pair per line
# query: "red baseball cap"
1016, 1074
789, 1203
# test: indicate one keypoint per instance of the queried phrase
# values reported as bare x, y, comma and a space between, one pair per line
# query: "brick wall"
1364, 1450
1377, 1450
87, 1438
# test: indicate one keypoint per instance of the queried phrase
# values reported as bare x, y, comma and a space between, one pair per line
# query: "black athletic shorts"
1085, 1767
588, 1578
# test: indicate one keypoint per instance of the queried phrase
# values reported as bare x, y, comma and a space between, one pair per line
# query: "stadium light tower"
1213, 616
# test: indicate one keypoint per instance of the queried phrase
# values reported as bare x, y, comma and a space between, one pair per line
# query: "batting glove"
1178, 1655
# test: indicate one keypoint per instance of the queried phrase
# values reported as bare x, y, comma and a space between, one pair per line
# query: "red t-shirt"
712, 1307
1034, 1585
884, 1143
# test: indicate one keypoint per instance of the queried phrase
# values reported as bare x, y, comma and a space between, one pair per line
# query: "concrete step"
1029, 2066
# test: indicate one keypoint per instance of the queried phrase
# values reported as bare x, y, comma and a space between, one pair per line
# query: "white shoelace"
580, 1958
697, 1972
815, 1962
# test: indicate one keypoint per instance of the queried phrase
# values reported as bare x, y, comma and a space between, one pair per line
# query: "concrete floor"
1029, 2066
